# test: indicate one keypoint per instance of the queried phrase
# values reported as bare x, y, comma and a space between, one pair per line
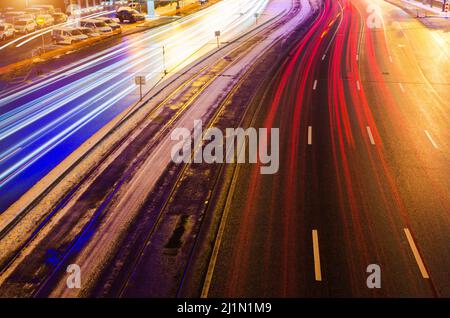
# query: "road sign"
217, 34
140, 80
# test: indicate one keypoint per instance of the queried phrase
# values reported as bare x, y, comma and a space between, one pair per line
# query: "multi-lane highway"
359, 92
42, 122
363, 178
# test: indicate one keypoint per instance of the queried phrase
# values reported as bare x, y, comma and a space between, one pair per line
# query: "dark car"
130, 15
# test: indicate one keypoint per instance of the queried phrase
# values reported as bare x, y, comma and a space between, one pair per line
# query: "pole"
164, 59
140, 90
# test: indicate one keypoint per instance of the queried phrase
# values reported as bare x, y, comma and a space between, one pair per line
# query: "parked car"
67, 36
35, 11
12, 16
6, 31
88, 32
25, 26
59, 17
49, 9
96, 26
27, 16
7, 9
45, 20
111, 23
129, 14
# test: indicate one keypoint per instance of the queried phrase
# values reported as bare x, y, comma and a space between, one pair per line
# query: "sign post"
140, 80
217, 34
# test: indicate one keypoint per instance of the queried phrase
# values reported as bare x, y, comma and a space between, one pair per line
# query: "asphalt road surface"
363, 114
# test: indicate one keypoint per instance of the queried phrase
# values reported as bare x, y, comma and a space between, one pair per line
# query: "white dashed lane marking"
369, 131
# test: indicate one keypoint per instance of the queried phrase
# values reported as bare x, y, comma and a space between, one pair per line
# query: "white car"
112, 23
6, 31
35, 11
49, 9
59, 17
25, 26
96, 26
67, 36
88, 32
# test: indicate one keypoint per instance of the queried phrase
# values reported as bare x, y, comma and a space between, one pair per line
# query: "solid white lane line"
390, 58
317, 270
416, 253
401, 87
357, 57
309, 135
323, 57
358, 86
372, 141
315, 85
431, 139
